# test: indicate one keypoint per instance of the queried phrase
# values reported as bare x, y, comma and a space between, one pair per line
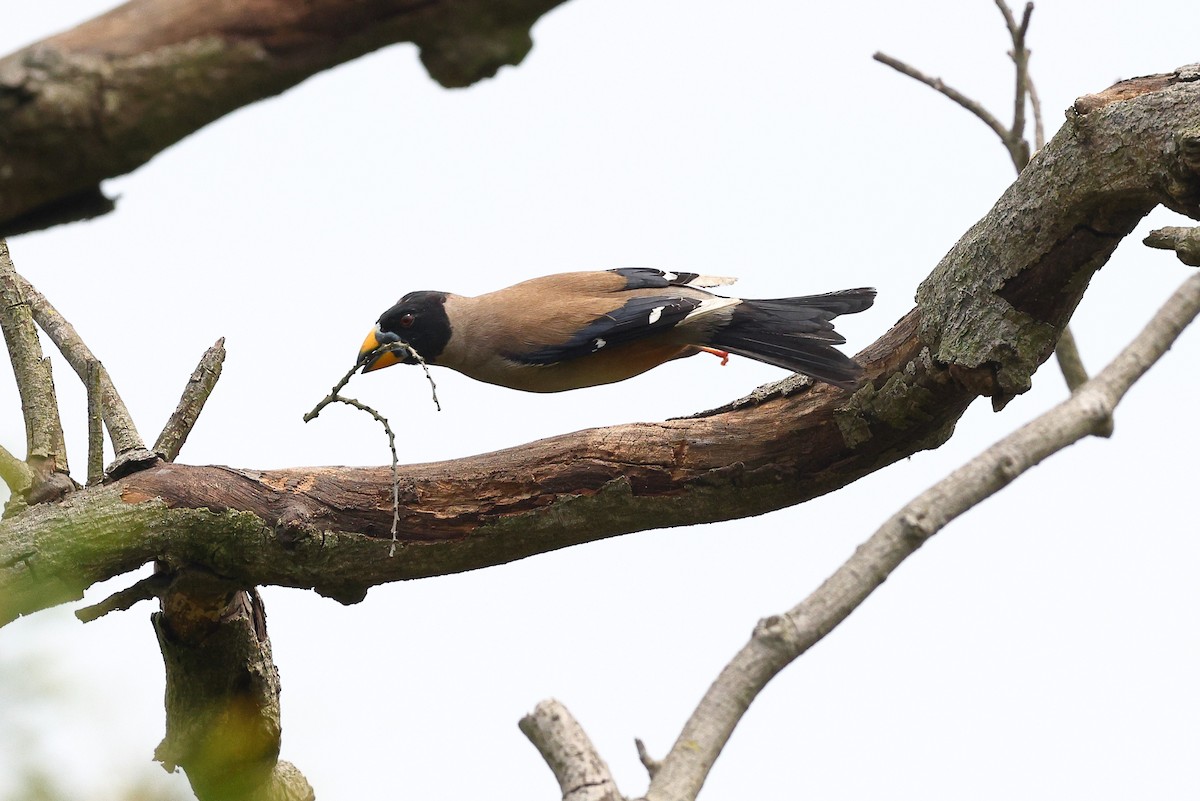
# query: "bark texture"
222, 694
987, 316
103, 98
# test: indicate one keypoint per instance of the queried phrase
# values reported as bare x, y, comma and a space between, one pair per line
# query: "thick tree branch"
102, 99
222, 693
987, 316
1013, 140
582, 775
780, 639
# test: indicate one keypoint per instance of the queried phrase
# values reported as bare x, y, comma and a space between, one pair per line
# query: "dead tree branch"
582, 775
199, 386
14, 472
46, 450
937, 84
986, 318
121, 429
152, 586
95, 425
1184, 241
1016, 142
103, 98
780, 639
1013, 140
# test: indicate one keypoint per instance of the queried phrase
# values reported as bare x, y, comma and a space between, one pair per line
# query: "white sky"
1042, 646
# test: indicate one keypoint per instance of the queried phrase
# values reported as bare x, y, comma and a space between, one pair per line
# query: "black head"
419, 319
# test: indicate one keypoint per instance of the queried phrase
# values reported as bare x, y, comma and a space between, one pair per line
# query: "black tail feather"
797, 334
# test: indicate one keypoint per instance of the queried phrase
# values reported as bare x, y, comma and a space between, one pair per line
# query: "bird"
580, 329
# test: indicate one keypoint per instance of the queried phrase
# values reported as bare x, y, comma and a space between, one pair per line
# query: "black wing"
639, 318
648, 278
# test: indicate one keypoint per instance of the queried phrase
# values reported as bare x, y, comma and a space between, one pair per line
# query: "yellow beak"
385, 359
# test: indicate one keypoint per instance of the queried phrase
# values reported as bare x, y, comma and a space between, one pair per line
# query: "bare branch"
1018, 148
151, 586
39, 403
121, 429
137, 79
958, 97
95, 424
1013, 140
562, 742
335, 397
1071, 365
1067, 351
651, 764
1039, 130
191, 403
986, 317
14, 472
780, 639
1184, 241
391, 437
334, 394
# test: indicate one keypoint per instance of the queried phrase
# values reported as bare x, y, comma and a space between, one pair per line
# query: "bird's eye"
407, 320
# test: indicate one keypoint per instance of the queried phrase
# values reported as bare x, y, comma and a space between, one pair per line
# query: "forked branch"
121, 429
780, 639
1014, 141
46, 449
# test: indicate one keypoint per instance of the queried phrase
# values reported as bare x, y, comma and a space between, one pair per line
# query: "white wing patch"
670, 276
711, 280
597, 344
708, 306
656, 313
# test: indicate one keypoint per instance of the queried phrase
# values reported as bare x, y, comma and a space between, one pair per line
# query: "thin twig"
121, 429
780, 639
191, 402
432, 386
332, 396
958, 97
391, 435
1039, 131
335, 396
1020, 57
95, 425
35, 383
651, 764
